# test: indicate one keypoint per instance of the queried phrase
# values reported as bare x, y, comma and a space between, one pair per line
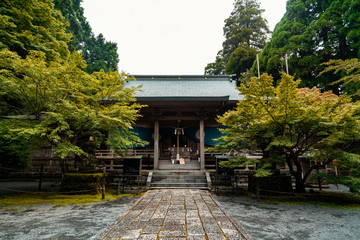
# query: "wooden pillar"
178, 141
112, 164
156, 144
202, 145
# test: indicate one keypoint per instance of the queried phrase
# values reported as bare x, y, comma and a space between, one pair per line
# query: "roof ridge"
184, 77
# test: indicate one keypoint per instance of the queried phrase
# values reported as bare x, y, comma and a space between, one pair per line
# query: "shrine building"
179, 122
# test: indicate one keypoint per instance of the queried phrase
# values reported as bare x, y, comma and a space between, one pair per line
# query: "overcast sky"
167, 36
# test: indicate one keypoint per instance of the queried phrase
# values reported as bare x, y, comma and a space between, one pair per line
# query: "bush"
277, 183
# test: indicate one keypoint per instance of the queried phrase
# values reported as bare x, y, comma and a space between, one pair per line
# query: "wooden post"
118, 187
258, 65
202, 145
318, 178
177, 142
123, 179
286, 63
336, 174
103, 183
112, 163
40, 178
156, 144
257, 189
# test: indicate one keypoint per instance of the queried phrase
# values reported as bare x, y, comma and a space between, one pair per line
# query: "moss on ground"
57, 198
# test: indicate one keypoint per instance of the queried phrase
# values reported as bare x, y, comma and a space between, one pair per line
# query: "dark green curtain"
211, 133
147, 134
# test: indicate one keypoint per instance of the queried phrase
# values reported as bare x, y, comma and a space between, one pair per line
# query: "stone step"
204, 188
160, 177
179, 185
178, 172
179, 179
179, 167
167, 180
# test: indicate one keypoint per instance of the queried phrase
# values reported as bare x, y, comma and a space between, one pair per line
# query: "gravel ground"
261, 221
46, 221
292, 222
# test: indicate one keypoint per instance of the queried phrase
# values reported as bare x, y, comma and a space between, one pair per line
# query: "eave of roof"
185, 88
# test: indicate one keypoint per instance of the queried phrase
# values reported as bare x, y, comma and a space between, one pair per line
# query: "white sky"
167, 36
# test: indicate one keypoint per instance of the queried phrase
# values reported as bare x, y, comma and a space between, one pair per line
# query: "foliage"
78, 25
246, 33
288, 123
350, 69
312, 32
33, 25
241, 60
61, 104
349, 163
16, 144
68, 104
98, 53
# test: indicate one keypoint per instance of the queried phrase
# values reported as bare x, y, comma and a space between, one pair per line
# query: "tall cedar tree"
97, 52
246, 33
313, 32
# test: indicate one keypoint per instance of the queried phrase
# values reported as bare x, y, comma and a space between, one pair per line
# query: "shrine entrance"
179, 108
178, 145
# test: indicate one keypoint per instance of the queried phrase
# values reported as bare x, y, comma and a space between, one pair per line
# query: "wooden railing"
247, 153
108, 154
47, 153
140, 152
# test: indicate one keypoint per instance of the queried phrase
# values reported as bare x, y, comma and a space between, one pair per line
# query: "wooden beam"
175, 118
202, 145
156, 144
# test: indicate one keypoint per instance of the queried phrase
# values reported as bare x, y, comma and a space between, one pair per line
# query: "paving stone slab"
148, 237
174, 228
196, 237
195, 231
172, 234
176, 214
151, 230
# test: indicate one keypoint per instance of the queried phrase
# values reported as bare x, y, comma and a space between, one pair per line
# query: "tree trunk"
300, 183
297, 174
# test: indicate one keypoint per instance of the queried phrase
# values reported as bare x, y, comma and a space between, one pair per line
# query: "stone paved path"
176, 214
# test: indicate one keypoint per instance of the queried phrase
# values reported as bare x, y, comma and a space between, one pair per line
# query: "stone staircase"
179, 179
189, 165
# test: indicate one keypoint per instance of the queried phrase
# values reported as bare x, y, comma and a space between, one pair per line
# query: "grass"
57, 198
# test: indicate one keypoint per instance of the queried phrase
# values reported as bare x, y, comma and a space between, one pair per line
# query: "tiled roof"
185, 87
